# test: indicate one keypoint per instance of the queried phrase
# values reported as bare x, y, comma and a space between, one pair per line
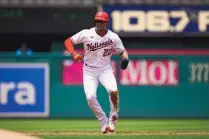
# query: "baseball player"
99, 43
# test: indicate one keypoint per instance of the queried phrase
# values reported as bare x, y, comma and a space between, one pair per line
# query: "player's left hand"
124, 63
77, 57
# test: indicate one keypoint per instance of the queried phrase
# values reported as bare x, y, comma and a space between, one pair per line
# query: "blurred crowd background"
43, 25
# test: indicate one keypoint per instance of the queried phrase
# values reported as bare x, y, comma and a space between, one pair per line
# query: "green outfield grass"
126, 128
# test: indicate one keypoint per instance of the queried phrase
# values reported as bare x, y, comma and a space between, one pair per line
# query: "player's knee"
90, 97
112, 89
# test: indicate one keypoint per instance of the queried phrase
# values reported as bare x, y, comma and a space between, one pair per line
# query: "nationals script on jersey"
97, 49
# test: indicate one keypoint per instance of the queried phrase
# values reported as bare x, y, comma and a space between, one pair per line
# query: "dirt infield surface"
7, 134
39, 133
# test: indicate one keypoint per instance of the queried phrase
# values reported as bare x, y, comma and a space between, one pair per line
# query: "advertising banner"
24, 90
150, 72
158, 20
199, 73
73, 72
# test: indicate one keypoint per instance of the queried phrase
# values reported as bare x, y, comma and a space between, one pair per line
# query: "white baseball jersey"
97, 49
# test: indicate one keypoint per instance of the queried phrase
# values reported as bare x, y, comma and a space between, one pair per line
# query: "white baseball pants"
91, 78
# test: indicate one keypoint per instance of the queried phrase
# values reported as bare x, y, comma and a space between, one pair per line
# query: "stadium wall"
155, 86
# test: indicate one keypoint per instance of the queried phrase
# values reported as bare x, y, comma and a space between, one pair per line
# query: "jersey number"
107, 52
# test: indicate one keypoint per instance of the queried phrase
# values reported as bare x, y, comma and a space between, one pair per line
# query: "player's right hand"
77, 57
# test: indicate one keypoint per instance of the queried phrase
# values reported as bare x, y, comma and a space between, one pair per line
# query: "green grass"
126, 128
129, 137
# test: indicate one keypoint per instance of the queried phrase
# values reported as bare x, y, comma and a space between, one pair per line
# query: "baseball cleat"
112, 123
104, 129
111, 127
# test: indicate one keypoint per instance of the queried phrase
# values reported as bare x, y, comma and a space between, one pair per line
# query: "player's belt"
90, 66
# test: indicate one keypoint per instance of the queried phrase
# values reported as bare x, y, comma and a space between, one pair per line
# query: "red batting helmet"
101, 16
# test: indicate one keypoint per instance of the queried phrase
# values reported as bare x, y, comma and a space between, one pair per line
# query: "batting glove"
77, 57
